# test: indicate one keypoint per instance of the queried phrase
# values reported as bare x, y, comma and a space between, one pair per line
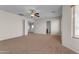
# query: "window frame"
73, 16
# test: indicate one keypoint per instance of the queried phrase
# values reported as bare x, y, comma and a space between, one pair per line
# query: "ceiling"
44, 10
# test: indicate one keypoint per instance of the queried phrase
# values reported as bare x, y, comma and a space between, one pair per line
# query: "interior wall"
40, 26
11, 25
56, 26
67, 39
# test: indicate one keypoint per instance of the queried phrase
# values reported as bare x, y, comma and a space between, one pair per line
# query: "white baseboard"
69, 46
10, 36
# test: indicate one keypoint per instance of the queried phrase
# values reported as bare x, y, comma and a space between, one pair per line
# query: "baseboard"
10, 36
69, 46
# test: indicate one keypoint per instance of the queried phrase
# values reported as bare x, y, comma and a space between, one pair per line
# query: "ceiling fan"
34, 13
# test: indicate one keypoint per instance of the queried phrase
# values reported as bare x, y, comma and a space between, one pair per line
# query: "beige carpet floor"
34, 44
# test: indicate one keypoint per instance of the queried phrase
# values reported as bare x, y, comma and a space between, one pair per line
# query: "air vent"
21, 14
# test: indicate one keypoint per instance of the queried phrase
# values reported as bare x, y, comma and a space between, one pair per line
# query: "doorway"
31, 28
48, 27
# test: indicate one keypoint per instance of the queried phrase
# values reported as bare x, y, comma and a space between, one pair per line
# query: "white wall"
11, 25
40, 26
56, 26
67, 39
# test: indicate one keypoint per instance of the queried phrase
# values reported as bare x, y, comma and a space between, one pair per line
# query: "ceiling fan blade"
37, 14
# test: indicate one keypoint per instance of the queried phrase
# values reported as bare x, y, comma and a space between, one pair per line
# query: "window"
75, 21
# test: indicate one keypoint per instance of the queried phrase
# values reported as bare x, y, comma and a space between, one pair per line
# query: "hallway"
34, 44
